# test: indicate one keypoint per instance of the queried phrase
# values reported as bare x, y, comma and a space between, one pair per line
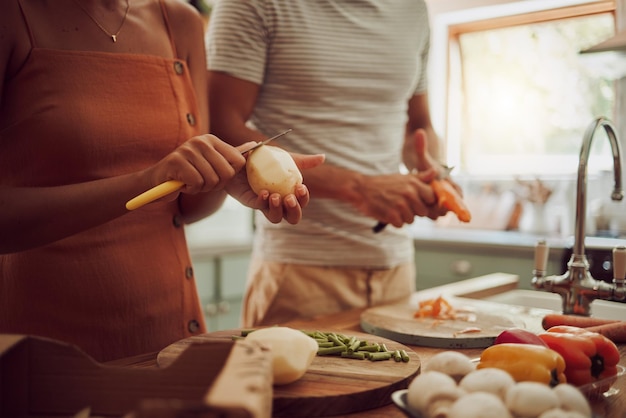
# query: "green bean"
326, 344
325, 351
336, 339
353, 344
320, 335
356, 355
405, 356
371, 348
396, 355
380, 356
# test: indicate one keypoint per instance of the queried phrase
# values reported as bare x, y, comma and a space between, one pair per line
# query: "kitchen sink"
552, 301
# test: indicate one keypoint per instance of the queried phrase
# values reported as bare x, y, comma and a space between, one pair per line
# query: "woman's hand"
203, 163
274, 206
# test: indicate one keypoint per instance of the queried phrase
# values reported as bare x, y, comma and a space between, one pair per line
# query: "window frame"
444, 68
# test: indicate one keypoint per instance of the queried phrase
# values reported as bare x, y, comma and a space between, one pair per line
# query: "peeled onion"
272, 168
292, 351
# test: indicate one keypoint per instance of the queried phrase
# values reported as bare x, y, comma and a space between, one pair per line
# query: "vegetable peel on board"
440, 308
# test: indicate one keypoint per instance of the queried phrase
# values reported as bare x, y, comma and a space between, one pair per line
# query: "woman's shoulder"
11, 21
184, 19
180, 9
15, 42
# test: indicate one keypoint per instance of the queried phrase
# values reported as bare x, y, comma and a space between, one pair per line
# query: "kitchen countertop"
508, 240
611, 407
439, 237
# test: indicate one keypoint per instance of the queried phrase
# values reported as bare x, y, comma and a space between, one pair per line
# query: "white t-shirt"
340, 74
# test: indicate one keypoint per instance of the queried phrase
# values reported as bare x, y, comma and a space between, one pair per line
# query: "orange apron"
125, 287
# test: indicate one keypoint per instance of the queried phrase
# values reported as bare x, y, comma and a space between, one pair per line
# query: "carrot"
438, 308
615, 331
450, 199
551, 320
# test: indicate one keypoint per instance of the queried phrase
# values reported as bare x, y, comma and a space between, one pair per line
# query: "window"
519, 94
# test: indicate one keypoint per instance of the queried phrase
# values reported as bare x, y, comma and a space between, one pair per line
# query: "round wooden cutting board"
332, 385
397, 322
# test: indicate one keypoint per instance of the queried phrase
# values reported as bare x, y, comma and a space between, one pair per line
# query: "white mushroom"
490, 379
530, 399
432, 393
479, 405
452, 363
572, 399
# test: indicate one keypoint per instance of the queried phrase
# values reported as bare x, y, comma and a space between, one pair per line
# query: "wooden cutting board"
397, 322
332, 385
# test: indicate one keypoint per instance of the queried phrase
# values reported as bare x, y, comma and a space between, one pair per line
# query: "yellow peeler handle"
153, 194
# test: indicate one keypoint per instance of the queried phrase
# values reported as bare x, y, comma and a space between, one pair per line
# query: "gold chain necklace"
102, 28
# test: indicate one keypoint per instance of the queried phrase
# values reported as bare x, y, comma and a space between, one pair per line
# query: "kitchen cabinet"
449, 265
445, 256
442, 256
220, 272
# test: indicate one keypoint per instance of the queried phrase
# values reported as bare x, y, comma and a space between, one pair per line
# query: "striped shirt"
340, 73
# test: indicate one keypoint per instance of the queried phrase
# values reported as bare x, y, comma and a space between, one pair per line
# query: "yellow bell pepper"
525, 362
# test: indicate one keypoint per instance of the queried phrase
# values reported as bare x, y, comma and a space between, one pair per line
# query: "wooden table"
611, 407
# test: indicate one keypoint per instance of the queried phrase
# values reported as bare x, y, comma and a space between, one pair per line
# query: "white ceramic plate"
399, 398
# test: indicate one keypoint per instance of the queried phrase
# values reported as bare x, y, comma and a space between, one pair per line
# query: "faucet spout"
576, 286
581, 186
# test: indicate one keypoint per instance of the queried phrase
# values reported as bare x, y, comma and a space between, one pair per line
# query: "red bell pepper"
588, 356
520, 336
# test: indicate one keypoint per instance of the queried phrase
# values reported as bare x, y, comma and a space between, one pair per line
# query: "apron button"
189, 272
178, 67
193, 326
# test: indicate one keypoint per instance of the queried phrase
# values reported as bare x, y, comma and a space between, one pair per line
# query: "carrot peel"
449, 198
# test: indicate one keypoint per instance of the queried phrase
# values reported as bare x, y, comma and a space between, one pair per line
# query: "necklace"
102, 28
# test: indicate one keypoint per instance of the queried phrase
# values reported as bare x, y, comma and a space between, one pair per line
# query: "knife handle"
379, 227
154, 193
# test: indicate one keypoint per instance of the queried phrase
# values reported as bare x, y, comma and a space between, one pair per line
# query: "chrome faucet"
576, 286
